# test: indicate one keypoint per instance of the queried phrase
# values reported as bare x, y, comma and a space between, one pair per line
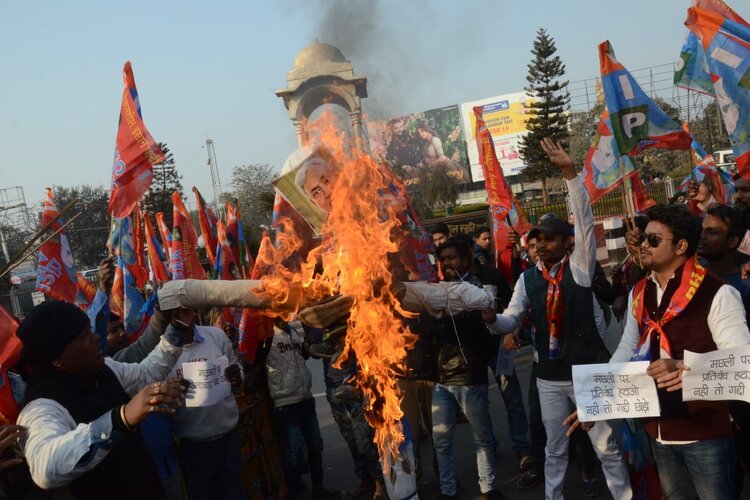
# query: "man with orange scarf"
557, 294
680, 306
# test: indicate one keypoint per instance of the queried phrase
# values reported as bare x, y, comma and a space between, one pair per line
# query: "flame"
362, 229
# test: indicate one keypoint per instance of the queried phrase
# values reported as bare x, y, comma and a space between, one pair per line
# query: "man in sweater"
681, 306
557, 294
209, 441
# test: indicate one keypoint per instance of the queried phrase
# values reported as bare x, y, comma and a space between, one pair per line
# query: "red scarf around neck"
692, 277
554, 308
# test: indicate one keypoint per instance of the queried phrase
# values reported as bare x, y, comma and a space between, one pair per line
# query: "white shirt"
726, 321
55, 445
209, 422
582, 263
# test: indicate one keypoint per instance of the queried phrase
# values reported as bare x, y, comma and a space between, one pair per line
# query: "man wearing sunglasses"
557, 294
679, 306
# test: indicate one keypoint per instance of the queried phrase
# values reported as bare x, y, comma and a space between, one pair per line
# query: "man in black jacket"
464, 344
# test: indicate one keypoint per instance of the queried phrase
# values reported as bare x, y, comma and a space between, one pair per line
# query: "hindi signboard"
208, 385
614, 390
717, 375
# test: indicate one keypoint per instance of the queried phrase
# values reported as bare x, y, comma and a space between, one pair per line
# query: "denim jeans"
518, 423
473, 401
350, 418
704, 468
299, 426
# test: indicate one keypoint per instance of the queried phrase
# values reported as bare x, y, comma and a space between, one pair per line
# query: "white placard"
614, 390
717, 375
208, 385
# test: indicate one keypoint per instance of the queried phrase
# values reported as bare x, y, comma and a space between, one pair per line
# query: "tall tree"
166, 181
708, 128
253, 191
88, 233
438, 189
548, 110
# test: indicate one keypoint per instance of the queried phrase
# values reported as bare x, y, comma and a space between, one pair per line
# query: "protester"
482, 250
290, 383
83, 411
209, 447
559, 299
691, 441
463, 349
440, 233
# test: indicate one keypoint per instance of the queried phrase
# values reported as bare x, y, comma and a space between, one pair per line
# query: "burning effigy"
363, 221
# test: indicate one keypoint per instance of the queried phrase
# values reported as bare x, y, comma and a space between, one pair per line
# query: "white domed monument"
322, 75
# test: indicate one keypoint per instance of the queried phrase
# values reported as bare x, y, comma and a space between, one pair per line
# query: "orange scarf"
554, 308
692, 277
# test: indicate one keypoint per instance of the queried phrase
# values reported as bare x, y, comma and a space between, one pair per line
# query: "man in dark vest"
691, 441
557, 294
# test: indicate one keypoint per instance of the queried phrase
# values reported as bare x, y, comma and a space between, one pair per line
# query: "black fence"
610, 205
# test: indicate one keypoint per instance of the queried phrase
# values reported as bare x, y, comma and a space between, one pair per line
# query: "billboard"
414, 144
506, 117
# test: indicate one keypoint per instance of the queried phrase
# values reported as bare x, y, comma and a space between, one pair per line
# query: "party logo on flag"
56, 270
637, 122
135, 152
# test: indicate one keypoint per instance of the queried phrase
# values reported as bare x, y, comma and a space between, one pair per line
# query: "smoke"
405, 49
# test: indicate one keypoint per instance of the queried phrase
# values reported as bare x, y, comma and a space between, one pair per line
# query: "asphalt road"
339, 470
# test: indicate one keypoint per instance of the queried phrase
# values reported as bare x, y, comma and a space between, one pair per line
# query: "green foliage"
255, 194
14, 238
437, 188
166, 181
709, 130
582, 132
548, 111
88, 233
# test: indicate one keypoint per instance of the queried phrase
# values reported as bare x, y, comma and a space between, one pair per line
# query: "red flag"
184, 263
641, 199
117, 298
86, 291
10, 352
207, 221
154, 251
56, 269
165, 233
225, 263
135, 152
10, 345
504, 208
140, 269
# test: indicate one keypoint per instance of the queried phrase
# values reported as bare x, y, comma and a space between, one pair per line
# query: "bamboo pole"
17, 262
40, 232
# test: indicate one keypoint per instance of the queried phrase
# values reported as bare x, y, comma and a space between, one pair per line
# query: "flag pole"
629, 205
16, 261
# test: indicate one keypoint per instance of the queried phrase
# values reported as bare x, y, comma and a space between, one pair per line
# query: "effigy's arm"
191, 294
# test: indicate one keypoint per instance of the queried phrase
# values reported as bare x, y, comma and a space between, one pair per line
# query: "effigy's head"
316, 177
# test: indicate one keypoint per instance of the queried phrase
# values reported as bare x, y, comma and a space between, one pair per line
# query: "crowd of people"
104, 416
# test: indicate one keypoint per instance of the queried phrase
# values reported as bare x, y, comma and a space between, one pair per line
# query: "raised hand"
559, 157
106, 274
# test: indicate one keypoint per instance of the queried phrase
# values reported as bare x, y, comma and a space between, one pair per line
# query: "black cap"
48, 329
554, 226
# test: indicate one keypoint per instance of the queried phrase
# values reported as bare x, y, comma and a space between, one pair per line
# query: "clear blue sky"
210, 69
